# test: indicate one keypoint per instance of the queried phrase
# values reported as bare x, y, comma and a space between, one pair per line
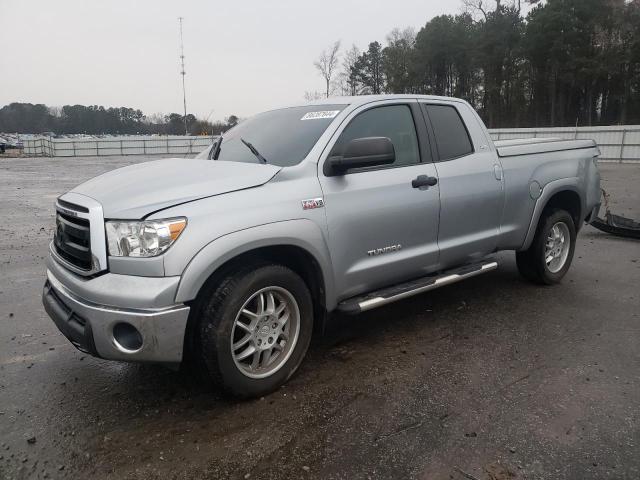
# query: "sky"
241, 56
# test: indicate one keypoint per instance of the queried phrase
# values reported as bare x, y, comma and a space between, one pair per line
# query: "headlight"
142, 239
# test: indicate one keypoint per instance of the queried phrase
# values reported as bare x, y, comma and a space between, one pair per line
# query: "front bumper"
90, 326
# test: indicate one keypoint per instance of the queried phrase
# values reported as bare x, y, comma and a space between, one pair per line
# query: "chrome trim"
440, 282
96, 232
64, 262
60, 287
124, 349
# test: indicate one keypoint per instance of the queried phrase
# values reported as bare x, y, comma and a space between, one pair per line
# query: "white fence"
617, 144
138, 145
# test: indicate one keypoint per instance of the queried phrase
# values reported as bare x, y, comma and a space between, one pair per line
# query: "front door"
382, 230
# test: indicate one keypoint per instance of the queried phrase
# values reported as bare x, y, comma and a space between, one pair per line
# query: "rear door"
382, 230
471, 184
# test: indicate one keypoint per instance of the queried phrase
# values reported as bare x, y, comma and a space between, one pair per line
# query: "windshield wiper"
254, 151
216, 148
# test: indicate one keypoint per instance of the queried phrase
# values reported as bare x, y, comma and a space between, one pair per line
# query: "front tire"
254, 329
548, 259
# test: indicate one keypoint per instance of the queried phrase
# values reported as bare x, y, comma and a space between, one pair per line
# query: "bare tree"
340, 85
475, 6
56, 111
483, 6
327, 63
313, 96
349, 67
407, 35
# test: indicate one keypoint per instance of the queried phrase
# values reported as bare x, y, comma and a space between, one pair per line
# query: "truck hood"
136, 191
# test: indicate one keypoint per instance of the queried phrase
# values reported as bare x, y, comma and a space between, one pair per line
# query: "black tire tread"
210, 316
529, 262
209, 309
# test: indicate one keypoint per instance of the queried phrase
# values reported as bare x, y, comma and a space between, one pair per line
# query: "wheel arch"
564, 194
306, 254
568, 200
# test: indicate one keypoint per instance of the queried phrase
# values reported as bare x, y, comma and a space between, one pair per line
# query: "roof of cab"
364, 99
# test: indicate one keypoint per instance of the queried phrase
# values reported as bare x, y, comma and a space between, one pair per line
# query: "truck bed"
529, 146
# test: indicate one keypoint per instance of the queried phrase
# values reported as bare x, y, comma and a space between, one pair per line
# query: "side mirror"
361, 153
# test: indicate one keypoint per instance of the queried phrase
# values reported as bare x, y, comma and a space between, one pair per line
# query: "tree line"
94, 119
566, 63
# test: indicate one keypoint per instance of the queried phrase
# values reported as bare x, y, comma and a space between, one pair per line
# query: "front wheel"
551, 253
254, 329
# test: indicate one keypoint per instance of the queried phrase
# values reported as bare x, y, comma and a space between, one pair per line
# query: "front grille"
72, 206
73, 240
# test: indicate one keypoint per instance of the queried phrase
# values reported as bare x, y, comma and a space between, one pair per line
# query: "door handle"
497, 171
423, 182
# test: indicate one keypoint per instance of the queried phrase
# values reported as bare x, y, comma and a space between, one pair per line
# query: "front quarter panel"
271, 214
301, 233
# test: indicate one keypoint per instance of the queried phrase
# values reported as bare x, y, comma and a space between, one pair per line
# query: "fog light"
127, 337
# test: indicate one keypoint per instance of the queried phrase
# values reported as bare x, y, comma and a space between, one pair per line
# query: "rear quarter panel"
573, 170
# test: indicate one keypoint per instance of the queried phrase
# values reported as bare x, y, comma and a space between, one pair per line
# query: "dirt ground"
492, 378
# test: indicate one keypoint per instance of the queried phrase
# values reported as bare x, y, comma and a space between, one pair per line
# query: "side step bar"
405, 290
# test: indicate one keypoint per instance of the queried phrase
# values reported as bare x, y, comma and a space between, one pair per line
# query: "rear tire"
550, 255
254, 329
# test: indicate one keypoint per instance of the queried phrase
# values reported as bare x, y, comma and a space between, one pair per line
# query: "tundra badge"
380, 251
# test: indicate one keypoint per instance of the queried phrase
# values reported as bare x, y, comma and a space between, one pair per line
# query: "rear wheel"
551, 253
254, 329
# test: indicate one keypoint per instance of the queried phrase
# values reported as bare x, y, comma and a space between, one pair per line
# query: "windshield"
283, 137
204, 154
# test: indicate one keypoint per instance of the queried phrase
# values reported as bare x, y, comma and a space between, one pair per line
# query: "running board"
405, 290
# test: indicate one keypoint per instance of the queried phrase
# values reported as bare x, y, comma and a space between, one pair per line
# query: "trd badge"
312, 203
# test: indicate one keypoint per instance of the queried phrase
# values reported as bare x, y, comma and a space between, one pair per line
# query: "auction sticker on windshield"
320, 115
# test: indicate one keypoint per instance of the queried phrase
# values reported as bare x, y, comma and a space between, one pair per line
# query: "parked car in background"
346, 204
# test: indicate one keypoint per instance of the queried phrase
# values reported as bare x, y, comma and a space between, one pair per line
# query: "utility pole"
183, 73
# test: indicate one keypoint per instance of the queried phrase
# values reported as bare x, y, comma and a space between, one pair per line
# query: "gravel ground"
492, 378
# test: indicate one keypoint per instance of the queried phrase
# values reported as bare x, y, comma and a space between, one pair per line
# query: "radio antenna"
183, 73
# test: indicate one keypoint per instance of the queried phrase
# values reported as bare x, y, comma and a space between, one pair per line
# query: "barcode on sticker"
319, 115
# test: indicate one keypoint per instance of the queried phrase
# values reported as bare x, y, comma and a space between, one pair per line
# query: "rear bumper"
594, 213
90, 326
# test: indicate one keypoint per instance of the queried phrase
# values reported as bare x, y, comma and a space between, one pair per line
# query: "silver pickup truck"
348, 204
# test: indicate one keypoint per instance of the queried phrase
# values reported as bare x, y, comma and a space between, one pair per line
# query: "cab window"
394, 122
451, 134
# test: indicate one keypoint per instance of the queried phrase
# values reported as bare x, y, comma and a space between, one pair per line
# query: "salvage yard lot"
492, 378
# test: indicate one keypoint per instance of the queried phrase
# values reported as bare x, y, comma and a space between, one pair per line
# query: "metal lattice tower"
183, 73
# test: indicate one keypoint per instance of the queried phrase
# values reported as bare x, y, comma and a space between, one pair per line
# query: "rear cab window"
451, 134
